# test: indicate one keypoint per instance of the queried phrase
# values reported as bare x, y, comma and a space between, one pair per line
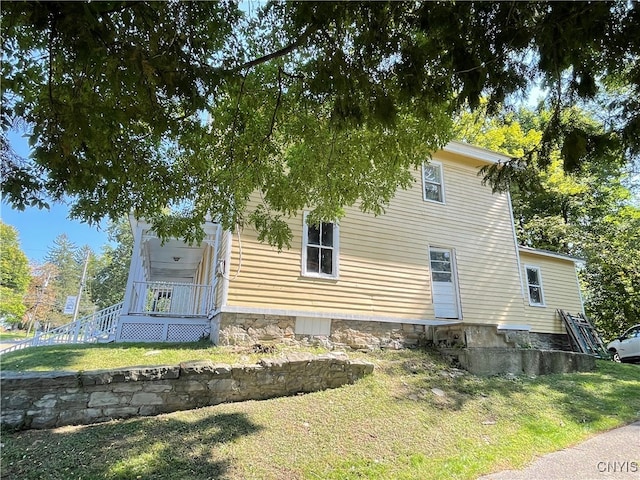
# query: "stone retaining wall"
53, 399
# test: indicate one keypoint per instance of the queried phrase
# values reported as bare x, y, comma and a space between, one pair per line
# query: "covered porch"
171, 288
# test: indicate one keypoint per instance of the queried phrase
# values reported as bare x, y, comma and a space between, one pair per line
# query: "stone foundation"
249, 329
489, 336
550, 341
54, 399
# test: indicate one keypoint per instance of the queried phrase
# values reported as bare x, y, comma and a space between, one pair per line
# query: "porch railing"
172, 299
96, 327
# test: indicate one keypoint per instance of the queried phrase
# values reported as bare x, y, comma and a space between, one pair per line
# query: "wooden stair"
583, 337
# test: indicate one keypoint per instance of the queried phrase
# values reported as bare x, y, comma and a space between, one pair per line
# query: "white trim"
454, 276
335, 252
515, 244
509, 326
478, 153
212, 275
134, 266
539, 272
226, 267
442, 192
575, 273
547, 253
333, 315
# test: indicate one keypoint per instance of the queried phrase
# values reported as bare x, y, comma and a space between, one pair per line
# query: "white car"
626, 348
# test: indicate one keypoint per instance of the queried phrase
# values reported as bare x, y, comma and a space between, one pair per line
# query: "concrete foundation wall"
494, 361
53, 399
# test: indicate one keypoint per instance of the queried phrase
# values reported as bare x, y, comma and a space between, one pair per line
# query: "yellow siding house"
441, 265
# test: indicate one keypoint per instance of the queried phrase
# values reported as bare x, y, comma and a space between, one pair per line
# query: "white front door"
445, 292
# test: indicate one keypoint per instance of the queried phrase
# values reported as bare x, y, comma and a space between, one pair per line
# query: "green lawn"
13, 335
109, 355
414, 418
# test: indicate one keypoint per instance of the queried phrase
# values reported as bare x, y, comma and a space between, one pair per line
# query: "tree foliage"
40, 298
68, 260
110, 279
14, 275
140, 106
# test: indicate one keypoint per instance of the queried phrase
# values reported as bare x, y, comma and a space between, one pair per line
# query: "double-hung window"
432, 182
534, 284
320, 249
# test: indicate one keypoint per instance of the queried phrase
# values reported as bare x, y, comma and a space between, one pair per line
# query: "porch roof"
174, 260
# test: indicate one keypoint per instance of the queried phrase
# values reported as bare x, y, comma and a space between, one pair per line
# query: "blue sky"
38, 228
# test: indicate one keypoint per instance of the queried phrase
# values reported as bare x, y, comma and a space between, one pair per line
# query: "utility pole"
82, 282
38, 301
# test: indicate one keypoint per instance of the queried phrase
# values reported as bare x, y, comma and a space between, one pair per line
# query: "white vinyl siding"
320, 249
534, 286
433, 182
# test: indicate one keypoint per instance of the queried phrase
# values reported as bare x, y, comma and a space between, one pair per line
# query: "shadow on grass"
61, 357
168, 447
586, 397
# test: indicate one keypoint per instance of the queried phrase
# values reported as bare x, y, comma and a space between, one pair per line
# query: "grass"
414, 418
13, 335
107, 356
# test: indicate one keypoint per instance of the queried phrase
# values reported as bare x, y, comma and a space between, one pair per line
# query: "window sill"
427, 200
310, 276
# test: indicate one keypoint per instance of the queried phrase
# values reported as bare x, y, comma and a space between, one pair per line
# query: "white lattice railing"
100, 325
174, 299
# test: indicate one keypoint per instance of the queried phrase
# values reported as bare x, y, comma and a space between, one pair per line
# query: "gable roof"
547, 253
478, 153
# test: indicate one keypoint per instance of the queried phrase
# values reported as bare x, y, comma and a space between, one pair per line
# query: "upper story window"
432, 182
320, 249
534, 284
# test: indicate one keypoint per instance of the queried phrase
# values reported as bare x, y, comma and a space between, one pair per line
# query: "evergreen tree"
69, 261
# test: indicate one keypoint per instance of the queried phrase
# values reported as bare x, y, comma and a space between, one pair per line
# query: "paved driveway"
611, 455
